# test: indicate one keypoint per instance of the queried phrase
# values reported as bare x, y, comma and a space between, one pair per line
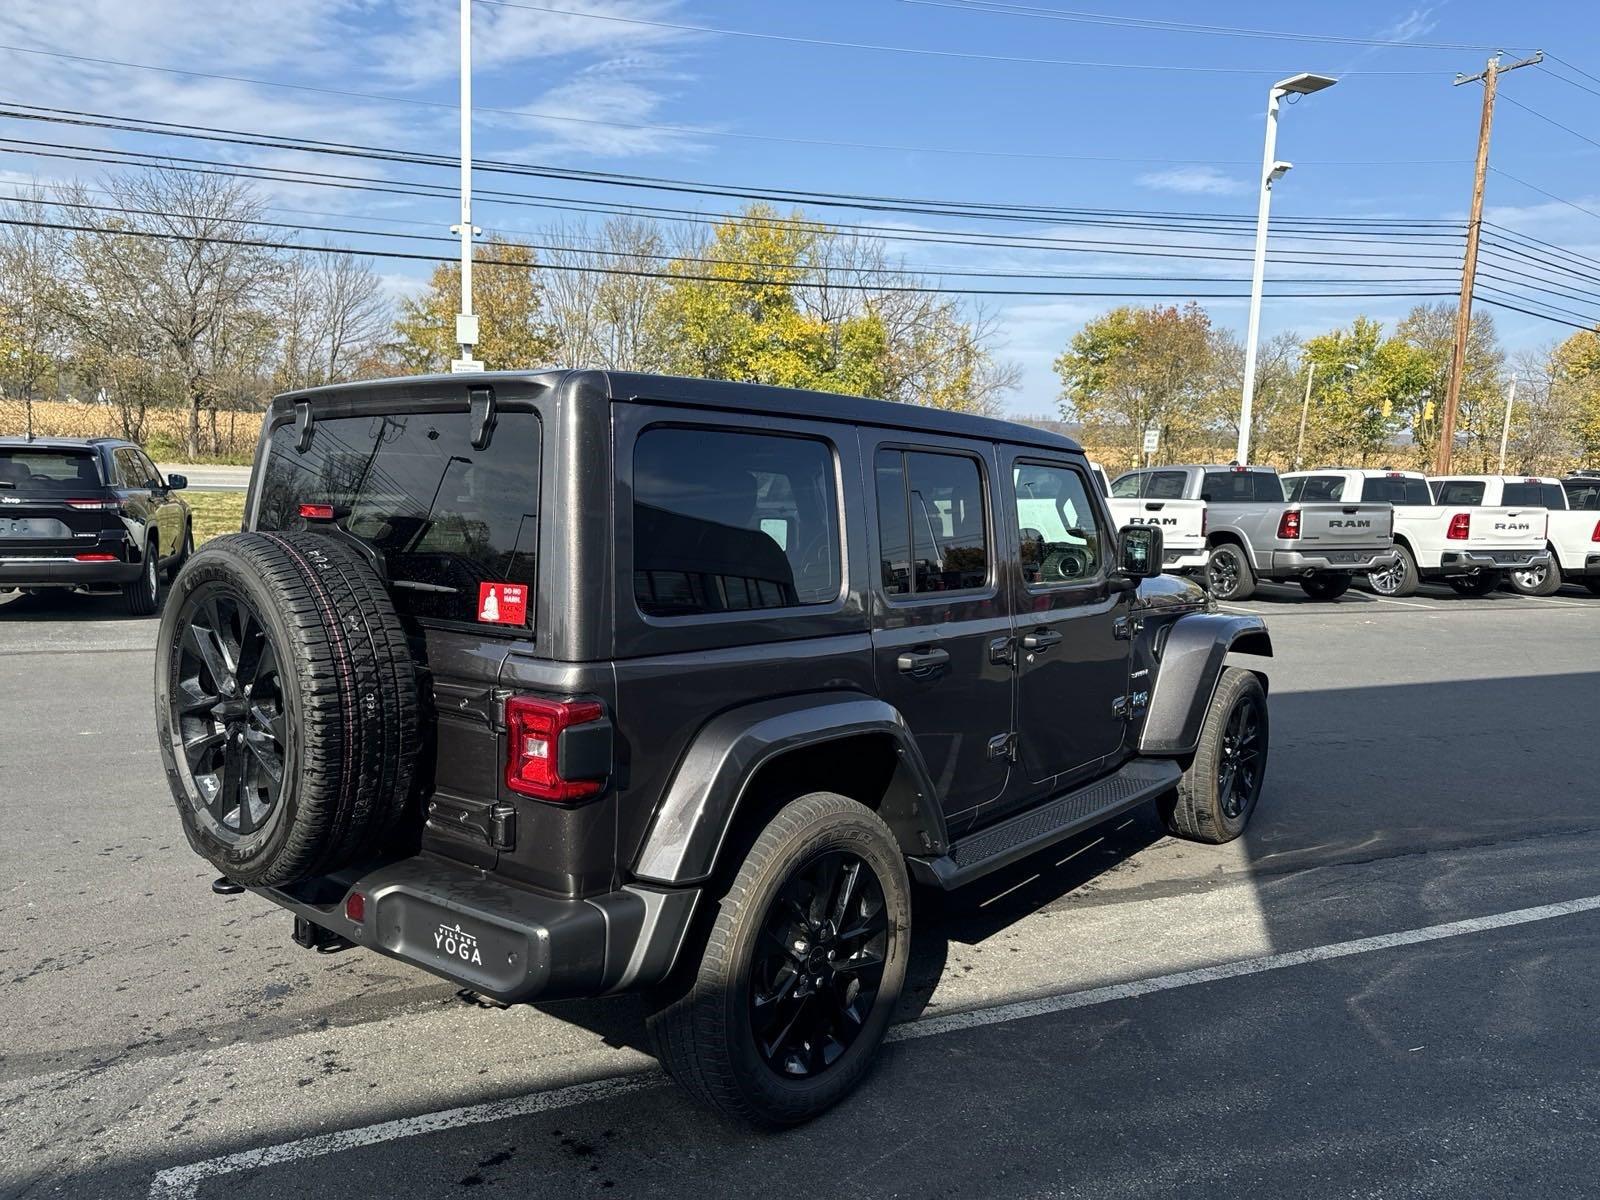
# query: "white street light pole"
466, 320
1272, 169
1505, 429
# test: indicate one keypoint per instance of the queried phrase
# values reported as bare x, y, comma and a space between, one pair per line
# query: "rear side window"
1310, 489
1166, 485
1460, 491
446, 518
731, 522
1127, 487
931, 523
47, 472
1534, 495
1583, 494
1236, 487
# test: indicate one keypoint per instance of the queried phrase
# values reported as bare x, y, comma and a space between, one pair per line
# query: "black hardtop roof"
743, 397
13, 442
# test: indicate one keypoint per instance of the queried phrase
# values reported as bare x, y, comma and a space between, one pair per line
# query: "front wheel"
1325, 585
1214, 799
801, 972
1537, 581
1228, 573
1479, 583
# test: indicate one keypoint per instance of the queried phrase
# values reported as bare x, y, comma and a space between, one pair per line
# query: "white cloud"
1194, 181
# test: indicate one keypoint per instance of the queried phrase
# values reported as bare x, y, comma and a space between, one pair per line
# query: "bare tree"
601, 293
331, 314
31, 271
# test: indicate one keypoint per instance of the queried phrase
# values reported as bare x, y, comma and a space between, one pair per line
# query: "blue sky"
1394, 139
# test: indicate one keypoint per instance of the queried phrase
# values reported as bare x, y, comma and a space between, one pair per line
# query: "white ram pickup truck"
1572, 536
1470, 549
1182, 522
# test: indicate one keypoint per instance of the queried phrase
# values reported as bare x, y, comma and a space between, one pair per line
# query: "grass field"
215, 513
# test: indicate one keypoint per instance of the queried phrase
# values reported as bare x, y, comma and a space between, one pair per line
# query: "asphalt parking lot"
1386, 988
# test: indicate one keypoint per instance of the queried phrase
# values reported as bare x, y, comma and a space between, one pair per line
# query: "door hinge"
1119, 707
1126, 627
1003, 745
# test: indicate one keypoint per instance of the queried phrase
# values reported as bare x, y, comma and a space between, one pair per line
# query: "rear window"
1166, 485
1583, 494
1126, 487
1234, 487
47, 472
1312, 488
731, 522
1534, 495
1404, 492
446, 518
1460, 491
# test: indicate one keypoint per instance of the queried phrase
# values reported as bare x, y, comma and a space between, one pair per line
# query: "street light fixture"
1272, 170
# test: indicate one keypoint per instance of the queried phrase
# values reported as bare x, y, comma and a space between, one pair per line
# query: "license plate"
33, 527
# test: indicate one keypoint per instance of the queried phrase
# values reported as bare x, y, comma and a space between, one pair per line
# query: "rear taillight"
1593, 537
95, 505
1460, 527
556, 749
1289, 525
317, 512
95, 558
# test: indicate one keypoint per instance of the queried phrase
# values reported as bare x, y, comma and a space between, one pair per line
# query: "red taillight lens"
95, 505
317, 512
534, 759
1460, 527
95, 557
1593, 537
355, 907
1289, 524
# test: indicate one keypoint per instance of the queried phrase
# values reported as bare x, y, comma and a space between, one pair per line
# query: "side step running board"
999, 845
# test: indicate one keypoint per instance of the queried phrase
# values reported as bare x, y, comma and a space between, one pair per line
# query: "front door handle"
922, 662
1040, 639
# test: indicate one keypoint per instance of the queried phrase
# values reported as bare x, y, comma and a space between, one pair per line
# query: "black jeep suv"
558, 684
89, 514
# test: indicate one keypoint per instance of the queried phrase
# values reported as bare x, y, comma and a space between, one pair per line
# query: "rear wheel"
1400, 579
1479, 583
1214, 799
1537, 581
796, 984
1325, 585
1593, 585
144, 593
1228, 573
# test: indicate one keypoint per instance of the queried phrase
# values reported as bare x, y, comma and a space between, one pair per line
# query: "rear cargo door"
51, 502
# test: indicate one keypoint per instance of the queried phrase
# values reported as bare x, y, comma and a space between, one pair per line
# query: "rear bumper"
500, 940
1465, 562
24, 570
1289, 563
1184, 559
1591, 567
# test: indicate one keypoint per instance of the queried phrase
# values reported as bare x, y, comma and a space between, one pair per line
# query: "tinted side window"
1460, 491
1540, 495
1166, 485
149, 468
946, 540
729, 522
1583, 495
1058, 534
1127, 487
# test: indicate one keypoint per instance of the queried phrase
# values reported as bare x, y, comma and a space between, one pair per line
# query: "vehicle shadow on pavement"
69, 606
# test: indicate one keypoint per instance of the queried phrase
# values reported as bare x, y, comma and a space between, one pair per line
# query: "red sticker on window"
503, 603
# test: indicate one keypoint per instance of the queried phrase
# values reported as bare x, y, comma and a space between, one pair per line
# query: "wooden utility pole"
1469, 266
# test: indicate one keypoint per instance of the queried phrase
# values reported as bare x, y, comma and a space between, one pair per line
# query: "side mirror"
175, 482
1139, 551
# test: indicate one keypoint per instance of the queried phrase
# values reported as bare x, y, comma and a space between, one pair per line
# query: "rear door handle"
1040, 639
922, 662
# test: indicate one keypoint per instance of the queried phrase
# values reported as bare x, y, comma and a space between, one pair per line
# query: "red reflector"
317, 512
355, 907
1460, 527
95, 557
533, 734
1289, 524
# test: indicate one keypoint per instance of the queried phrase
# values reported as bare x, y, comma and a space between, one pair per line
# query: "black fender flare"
1192, 660
690, 823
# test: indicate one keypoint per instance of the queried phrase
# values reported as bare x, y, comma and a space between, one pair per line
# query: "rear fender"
694, 816
1192, 661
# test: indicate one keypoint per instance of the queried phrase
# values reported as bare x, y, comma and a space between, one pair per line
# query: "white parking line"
1404, 603
183, 1183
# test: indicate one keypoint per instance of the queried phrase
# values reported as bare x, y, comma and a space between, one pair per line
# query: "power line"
1563, 251
1055, 14
1588, 212
1582, 137
834, 44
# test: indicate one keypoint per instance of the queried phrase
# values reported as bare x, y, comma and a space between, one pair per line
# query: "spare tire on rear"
286, 706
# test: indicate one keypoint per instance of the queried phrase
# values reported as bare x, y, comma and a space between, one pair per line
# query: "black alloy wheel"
819, 964
1239, 759
228, 707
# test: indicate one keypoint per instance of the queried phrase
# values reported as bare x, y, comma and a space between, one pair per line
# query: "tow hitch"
314, 937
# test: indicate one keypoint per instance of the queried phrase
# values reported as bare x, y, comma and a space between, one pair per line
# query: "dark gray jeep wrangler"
562, 683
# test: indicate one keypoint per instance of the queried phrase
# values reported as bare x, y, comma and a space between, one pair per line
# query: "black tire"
1325, 585
1479, 583
286, 648
184, 554
1228, 575
1209, 804
143, 595
1399, 581
1593, 585
702, 1023
1545, 581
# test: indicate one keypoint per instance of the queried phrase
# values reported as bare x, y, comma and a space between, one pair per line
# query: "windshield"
446, 518
38, 471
